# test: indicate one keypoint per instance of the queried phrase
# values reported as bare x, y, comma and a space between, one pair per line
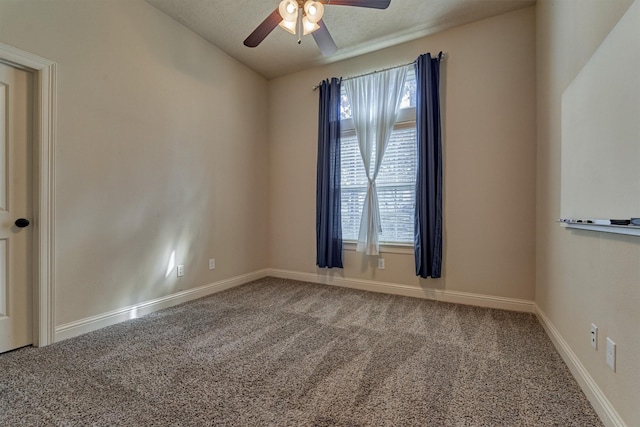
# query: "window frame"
406, 119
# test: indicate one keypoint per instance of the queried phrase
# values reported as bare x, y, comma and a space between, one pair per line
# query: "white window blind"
396, 179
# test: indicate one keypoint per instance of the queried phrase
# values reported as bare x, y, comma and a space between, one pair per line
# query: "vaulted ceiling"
355, 30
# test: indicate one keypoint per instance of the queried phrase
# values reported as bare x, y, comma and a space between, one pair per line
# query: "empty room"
320, 212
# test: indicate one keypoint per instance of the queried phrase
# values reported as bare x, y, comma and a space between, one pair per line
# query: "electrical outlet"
611, 354
180, 270
594, 336
212, 264
380, 263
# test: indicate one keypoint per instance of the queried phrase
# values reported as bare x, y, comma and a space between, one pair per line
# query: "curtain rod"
379, 71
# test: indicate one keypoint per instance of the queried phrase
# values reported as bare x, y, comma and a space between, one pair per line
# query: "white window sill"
387, 248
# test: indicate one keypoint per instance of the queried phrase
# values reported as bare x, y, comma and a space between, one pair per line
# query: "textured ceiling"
226, 23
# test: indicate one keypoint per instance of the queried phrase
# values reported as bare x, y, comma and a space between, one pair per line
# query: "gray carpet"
285, 353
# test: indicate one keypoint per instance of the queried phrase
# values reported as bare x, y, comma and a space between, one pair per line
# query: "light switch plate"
611, 354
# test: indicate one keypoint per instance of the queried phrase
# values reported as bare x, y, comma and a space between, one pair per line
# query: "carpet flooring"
285, 353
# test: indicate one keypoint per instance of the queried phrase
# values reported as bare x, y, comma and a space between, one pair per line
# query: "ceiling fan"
302, 17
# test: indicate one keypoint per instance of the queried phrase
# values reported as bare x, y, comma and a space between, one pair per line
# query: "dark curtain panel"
328, 216
428, 214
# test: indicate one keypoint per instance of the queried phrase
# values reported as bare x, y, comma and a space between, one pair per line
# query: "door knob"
21, 222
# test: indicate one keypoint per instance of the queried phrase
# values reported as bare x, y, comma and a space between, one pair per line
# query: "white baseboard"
82, 326
599, 401
466, 298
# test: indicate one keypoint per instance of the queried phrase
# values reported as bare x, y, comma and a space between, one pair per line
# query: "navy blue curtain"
328, 216
428, 213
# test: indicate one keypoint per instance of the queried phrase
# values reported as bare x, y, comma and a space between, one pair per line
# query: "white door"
16, 206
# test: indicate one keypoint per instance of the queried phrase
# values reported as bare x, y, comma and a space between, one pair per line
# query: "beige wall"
488, 99
164, 144
582, 277
161, 147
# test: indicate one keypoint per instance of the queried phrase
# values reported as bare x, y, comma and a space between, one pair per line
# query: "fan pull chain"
299, 26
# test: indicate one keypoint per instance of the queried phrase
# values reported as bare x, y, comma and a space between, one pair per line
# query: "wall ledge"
629, 230
599, 401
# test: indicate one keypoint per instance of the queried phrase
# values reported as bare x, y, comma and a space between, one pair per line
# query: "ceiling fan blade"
324, 40
263, 29
374, 4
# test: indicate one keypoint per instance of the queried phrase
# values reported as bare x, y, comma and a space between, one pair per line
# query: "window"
396, 179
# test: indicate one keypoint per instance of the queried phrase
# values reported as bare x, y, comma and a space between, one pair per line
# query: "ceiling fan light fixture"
288, 10
313, 10
288, 26
309, 27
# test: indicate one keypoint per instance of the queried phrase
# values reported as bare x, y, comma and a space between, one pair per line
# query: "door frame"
44, 135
